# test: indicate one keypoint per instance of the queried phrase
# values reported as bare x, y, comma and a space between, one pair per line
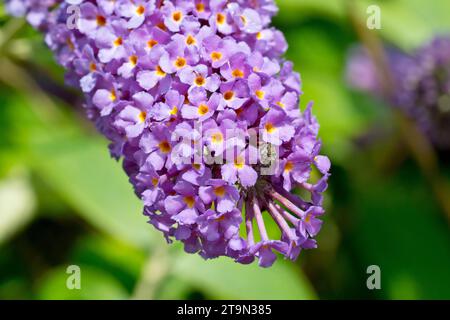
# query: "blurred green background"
63, 201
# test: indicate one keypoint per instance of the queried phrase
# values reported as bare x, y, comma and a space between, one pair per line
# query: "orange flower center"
140, 10
200, 81
174, 111
217, 137
160, 72
220, 191
203, 109
200, 7
118, 41
92, 67
142, 116
190, 40
177, 16
220, 18
270, 128
165, 147
151, 43
216, 56
113, 95
289, 166
180, 62
133, 60
229, 95
101, 21
239, 162
237, 73
190, 201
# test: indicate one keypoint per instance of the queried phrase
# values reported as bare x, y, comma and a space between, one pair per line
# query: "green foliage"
412, 247
224, 279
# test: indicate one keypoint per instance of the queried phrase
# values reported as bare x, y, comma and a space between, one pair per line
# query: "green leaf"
79, 168
17, 204
401, 229
410, 23
292, 10
224, 279
95, 285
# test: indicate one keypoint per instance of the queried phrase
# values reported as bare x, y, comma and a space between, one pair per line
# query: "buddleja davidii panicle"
158, 73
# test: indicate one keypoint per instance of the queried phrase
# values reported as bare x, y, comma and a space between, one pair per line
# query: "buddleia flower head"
204, 111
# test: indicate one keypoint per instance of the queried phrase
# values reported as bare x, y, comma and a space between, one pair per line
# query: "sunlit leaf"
95, 284
80, 170
17, 204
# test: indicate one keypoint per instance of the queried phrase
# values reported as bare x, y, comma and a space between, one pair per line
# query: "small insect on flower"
197, 100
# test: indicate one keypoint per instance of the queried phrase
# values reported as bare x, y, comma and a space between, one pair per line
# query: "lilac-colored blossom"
173, 82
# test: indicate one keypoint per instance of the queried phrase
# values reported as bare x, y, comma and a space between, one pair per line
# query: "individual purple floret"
199, 104
421, 85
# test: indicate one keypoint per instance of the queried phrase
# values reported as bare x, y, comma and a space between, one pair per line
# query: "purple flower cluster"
421, 85
159, 73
